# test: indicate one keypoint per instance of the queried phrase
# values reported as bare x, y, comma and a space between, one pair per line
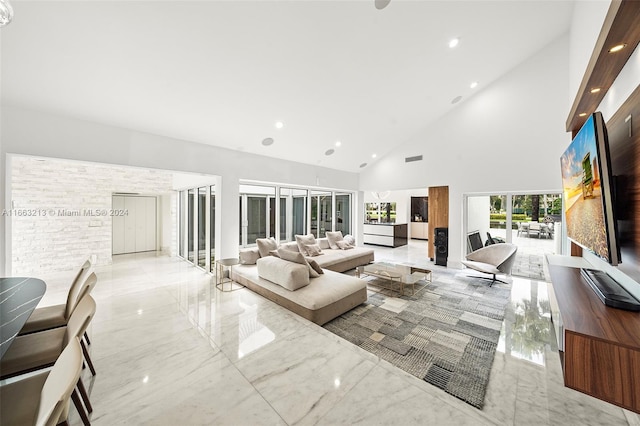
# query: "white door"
136, 230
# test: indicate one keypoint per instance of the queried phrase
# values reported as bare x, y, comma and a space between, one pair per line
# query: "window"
212, 227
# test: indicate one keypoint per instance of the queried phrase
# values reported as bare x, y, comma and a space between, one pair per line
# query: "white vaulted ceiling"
223, 72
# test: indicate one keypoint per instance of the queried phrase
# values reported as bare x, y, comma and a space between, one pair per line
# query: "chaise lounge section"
318, 299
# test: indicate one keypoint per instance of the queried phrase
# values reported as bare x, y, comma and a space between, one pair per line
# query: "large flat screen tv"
588, 191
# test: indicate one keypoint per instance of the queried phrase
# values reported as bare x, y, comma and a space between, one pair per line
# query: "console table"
600, 345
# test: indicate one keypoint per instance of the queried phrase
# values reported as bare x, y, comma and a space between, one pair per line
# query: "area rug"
445, 334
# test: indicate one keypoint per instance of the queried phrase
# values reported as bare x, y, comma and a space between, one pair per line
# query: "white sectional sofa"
317, 299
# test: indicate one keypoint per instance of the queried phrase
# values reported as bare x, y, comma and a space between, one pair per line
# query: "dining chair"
40, 350
43, 399
49, 317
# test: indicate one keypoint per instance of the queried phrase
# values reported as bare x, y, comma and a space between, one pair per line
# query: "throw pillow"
304, 240
315, 266
313, 250
350, 239
344, 246
249, 256
292, 256
265, 245
274, 253
333, 238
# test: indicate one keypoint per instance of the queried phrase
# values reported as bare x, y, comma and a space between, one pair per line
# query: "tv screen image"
587, 191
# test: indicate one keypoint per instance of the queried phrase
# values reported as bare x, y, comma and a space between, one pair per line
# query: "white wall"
31, 132
67, 201
508, 137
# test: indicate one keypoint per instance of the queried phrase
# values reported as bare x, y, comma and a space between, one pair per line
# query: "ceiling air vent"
412, 159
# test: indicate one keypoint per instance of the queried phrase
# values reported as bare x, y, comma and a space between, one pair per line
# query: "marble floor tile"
170, 348
303, 375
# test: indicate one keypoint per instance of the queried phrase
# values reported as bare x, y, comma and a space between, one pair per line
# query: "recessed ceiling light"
582, 114
279, 124
374, 155
454, 42
329, 151
338, 143
595, 90
363, 165
381, 4
474, 85
617, 48
267, 141
456, 99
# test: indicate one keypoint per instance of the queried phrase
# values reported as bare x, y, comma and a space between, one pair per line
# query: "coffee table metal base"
403, 275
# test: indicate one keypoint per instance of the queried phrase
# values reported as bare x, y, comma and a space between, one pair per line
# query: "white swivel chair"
494, 259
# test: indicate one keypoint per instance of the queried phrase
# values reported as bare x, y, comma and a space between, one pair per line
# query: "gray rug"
445, 334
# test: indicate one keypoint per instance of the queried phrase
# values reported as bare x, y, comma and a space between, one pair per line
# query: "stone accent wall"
60, 210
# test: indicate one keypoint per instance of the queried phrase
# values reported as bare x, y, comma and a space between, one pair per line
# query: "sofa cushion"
350, 239
333, 238
293, 246
249, 256
297, 258
289, 275
323, 243
304, 240
265, 245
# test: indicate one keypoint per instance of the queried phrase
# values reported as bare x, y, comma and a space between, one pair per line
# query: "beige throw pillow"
292, 256
344, 245
333, 238
316, 267
313, 250
265, 245
249, 256
303, 241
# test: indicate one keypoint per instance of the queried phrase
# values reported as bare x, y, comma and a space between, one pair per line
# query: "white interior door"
135, 231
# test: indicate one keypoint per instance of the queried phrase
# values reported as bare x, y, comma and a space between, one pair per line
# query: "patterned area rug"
445, 334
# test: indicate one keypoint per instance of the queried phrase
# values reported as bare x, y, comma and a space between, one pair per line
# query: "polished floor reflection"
172, 349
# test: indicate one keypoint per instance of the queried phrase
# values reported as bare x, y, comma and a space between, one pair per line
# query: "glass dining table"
19, 296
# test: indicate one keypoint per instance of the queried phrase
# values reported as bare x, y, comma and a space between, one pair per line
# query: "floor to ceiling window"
256, 215
196, 226
343, 213
298, 211
212, 227
321, 213
191, 224
202, 227
181, 216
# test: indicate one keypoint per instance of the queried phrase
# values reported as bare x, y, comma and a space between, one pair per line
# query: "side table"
220, 279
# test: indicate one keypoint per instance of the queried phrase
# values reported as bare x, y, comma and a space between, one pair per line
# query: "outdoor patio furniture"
534, 228
523, 228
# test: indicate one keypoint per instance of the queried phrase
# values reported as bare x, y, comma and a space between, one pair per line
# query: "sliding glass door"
321, 213
343, 213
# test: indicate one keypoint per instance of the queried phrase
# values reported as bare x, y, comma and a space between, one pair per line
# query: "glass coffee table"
399, 276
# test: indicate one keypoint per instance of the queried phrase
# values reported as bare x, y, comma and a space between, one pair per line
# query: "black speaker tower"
441, 237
